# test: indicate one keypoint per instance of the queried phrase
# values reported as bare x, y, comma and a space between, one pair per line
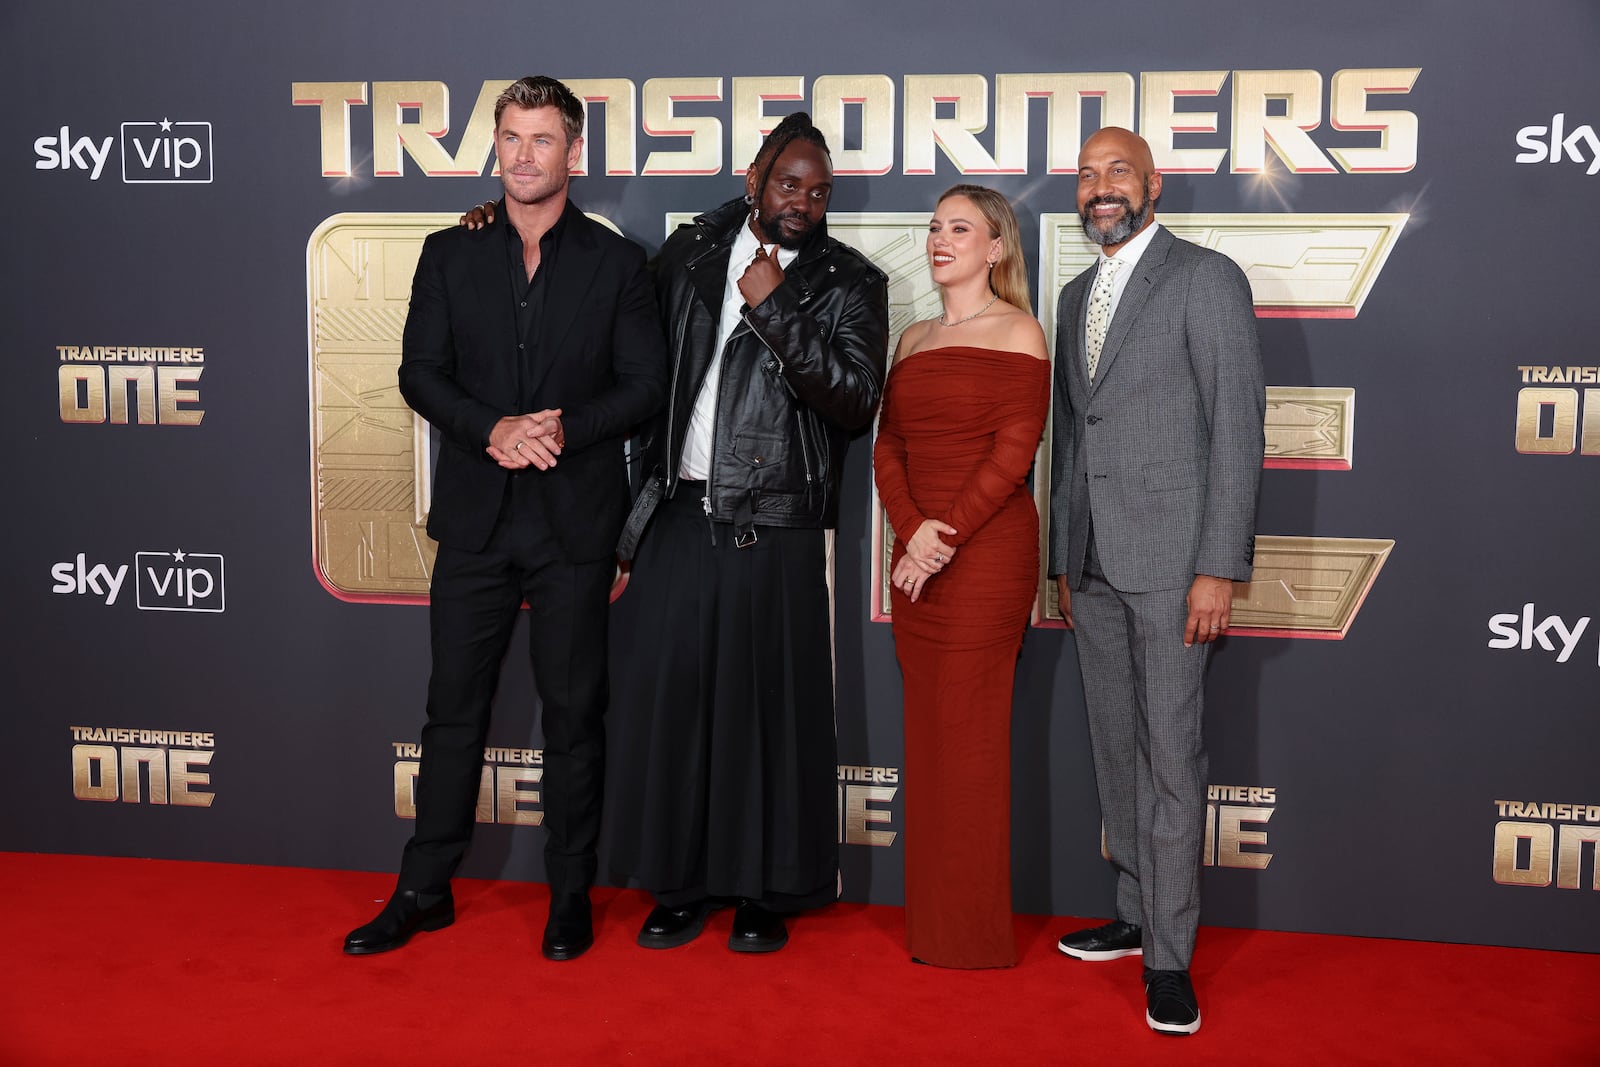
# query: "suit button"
1092, 419
524, 303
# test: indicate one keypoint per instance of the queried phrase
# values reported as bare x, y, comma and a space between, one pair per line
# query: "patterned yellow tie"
1100, 311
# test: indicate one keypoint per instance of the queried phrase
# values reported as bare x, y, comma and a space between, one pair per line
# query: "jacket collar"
565, 288
1134, 296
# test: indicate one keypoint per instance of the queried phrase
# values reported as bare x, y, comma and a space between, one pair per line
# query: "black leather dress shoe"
1109, 942
401, 917
755, 929
670, 927
570, 929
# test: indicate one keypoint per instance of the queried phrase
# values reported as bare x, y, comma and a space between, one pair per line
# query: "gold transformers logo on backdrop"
1544, 844
94, 382
142, 766
937, 113
508, 789
1554, 421
865, 794
1236, 820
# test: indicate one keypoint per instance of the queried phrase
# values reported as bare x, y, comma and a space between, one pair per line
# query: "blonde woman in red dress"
963, 410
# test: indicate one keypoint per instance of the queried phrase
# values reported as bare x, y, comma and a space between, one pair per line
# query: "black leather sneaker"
1112, 941
1170, 1007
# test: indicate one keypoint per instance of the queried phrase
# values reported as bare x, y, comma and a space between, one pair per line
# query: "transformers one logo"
508, 789
1540, 844
1229, 809
143, 766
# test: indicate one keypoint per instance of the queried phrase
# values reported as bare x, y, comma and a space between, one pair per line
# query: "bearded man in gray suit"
1157, 454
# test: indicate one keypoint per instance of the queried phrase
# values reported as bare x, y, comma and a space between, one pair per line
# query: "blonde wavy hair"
1009, 278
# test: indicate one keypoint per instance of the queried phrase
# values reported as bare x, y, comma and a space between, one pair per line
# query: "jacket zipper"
672, 400
805, 452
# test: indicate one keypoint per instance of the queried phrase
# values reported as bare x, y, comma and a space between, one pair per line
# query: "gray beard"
1130, 223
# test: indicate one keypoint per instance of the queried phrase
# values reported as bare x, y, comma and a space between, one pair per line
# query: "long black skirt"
723, 765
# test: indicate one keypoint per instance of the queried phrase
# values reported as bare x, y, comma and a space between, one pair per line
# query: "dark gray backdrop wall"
202, 430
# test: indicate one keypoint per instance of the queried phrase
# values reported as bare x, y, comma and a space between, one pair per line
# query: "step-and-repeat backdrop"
215, 565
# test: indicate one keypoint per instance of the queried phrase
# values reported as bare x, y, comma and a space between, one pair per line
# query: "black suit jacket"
600, 359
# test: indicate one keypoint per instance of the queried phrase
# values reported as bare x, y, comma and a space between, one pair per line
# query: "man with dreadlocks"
724, 734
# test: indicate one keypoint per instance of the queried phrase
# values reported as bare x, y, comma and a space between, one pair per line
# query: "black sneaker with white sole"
1170, 1007
1112, 941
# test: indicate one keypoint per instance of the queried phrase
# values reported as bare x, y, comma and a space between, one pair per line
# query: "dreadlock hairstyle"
795, 127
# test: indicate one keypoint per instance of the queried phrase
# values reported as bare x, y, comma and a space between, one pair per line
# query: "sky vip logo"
163, 581
1521, 631
1553, 144
161, 152
166, 152
179, 581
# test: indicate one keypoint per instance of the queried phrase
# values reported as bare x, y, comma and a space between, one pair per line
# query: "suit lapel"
1074, 310
491, 282
709, 273
578, 261
1134, 297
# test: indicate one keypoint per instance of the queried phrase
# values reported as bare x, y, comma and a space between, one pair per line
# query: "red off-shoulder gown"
955, 442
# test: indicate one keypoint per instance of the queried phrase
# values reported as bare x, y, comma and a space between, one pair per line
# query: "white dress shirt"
696, 462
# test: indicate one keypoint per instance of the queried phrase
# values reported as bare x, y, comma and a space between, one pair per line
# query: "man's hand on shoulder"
479, 217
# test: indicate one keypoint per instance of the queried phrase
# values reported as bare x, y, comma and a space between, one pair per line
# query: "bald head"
1118, 185
1114, 142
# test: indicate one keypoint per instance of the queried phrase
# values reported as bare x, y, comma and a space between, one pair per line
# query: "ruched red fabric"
955, 442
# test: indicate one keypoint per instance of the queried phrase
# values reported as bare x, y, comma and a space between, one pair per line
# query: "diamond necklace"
974, 315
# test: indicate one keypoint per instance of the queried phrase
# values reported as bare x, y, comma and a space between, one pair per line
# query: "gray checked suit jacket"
1163, 451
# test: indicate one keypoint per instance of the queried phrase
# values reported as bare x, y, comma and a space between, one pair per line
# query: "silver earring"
756, 213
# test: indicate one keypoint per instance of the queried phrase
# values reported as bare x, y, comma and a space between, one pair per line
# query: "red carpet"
140, 961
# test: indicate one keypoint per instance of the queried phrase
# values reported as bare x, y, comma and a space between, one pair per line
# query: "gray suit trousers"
1144, 694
